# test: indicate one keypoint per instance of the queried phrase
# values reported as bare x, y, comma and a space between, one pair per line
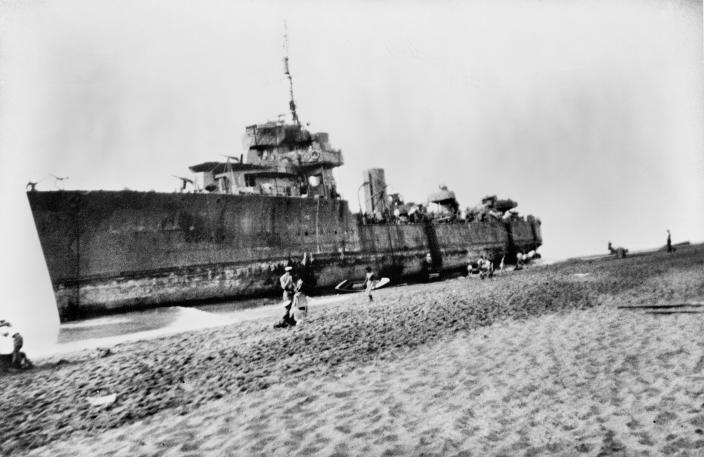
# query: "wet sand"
540, 362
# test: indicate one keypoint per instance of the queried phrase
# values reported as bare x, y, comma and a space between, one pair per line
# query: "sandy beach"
598, 357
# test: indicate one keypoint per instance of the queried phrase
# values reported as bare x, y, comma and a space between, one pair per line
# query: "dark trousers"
5, 361
287, 307
16, 360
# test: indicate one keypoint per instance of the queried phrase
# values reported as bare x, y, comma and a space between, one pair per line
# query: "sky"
588, 113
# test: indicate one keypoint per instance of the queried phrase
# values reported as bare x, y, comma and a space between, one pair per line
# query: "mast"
287, 72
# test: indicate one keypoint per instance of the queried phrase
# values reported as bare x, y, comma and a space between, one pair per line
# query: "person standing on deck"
370, 281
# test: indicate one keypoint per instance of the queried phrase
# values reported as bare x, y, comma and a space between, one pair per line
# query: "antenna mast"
291, 103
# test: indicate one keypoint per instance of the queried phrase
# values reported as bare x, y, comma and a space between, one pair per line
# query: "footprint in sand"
664, 418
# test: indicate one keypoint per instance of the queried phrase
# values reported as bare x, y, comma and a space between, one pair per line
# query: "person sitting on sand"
289, 290
11, 343
6, 346
370, 282
619, 251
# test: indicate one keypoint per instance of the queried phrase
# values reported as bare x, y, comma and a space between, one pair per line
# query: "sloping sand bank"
537, 363
588, 382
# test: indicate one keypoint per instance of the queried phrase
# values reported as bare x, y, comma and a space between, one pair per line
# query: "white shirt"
7, 345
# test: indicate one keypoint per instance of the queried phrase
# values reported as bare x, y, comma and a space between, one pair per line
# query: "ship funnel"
376, 202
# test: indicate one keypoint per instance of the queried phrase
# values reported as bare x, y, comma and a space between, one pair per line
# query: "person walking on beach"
669, 242
289, 290
370, 282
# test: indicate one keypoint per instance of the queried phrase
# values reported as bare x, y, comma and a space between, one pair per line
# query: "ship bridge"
280, 160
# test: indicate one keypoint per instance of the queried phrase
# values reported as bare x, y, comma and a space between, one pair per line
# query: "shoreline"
182, 323
76, 347
183, 374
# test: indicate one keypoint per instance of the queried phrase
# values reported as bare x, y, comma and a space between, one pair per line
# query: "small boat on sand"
347, 286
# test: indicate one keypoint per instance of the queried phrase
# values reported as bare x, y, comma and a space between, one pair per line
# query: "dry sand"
558, 381
586, 382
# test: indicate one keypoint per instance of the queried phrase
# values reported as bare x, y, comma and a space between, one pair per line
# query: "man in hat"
289, 290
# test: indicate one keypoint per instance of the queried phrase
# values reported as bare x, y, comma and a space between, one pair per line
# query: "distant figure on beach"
289, 290
501, 264
11, 343
300, 301
370, 282
519, 261
669, 242
486, 267
619, 251
427, 267
472, 267
306, 271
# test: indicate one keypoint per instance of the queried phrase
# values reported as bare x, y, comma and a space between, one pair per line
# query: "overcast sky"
588, 113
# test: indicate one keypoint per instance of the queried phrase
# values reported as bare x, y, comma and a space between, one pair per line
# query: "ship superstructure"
280, 160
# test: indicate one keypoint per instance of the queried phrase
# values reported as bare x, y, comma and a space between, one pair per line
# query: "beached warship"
231, 230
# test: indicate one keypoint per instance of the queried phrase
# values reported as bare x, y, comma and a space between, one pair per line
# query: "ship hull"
117, 251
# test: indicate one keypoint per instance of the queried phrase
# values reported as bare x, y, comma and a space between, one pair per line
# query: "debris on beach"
103, 352
102, 400
668, 309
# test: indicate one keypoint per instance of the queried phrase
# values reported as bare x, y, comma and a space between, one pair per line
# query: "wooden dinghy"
347, 286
